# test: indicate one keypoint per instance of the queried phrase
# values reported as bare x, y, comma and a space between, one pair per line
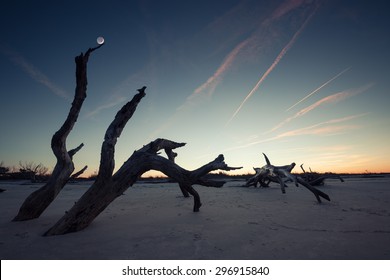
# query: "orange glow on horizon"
385, 168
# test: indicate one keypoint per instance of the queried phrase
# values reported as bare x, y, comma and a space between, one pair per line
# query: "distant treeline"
25, 171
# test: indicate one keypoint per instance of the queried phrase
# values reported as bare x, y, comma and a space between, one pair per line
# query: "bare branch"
106, 190
160, 144
75, 150
114, 130
78, 173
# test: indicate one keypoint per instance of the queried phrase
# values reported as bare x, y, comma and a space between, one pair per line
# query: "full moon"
100, 40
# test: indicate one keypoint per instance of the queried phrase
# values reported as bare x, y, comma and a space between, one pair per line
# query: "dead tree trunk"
281, 174
38, 201
109, 186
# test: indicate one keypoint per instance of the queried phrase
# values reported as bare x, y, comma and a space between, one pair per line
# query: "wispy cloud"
273, 65
319, 88
329, 127
108, 105
35, 73
212, 82
318, 130
286, 7
123, 91
260, 30
208, 87
334, 98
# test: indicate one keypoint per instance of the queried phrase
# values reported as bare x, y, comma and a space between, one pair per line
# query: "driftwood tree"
38, 201
281, 174
317, 179
109, 186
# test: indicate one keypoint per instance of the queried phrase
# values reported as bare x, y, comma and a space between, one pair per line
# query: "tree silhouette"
38, 201
109, 185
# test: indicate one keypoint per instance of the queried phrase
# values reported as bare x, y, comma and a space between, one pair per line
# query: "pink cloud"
334, 98
319, 88
329, 127
286, 7
273, 65
213, 81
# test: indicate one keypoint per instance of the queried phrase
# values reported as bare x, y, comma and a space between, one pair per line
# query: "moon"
100, 40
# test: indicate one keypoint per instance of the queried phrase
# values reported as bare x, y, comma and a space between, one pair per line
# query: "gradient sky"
302, 81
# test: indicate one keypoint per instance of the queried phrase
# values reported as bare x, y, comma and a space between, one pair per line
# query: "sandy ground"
153, 221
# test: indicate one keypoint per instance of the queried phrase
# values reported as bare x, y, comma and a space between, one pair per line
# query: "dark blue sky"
303, 81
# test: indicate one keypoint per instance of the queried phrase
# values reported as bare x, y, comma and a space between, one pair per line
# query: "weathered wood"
78, 173
102, 193
281, 175
317, 193
36, 203
107, 162
317, 179
109, 186
210, 183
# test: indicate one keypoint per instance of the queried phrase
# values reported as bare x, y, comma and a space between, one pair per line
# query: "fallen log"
281, 175
316, 179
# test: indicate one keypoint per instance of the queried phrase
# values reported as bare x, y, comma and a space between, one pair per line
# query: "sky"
301, 81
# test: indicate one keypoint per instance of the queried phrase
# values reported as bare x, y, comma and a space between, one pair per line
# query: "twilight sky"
302, 81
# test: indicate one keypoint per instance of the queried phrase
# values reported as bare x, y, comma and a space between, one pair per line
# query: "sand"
153, 221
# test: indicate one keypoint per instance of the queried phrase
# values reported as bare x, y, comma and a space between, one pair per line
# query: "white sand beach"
153, 221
